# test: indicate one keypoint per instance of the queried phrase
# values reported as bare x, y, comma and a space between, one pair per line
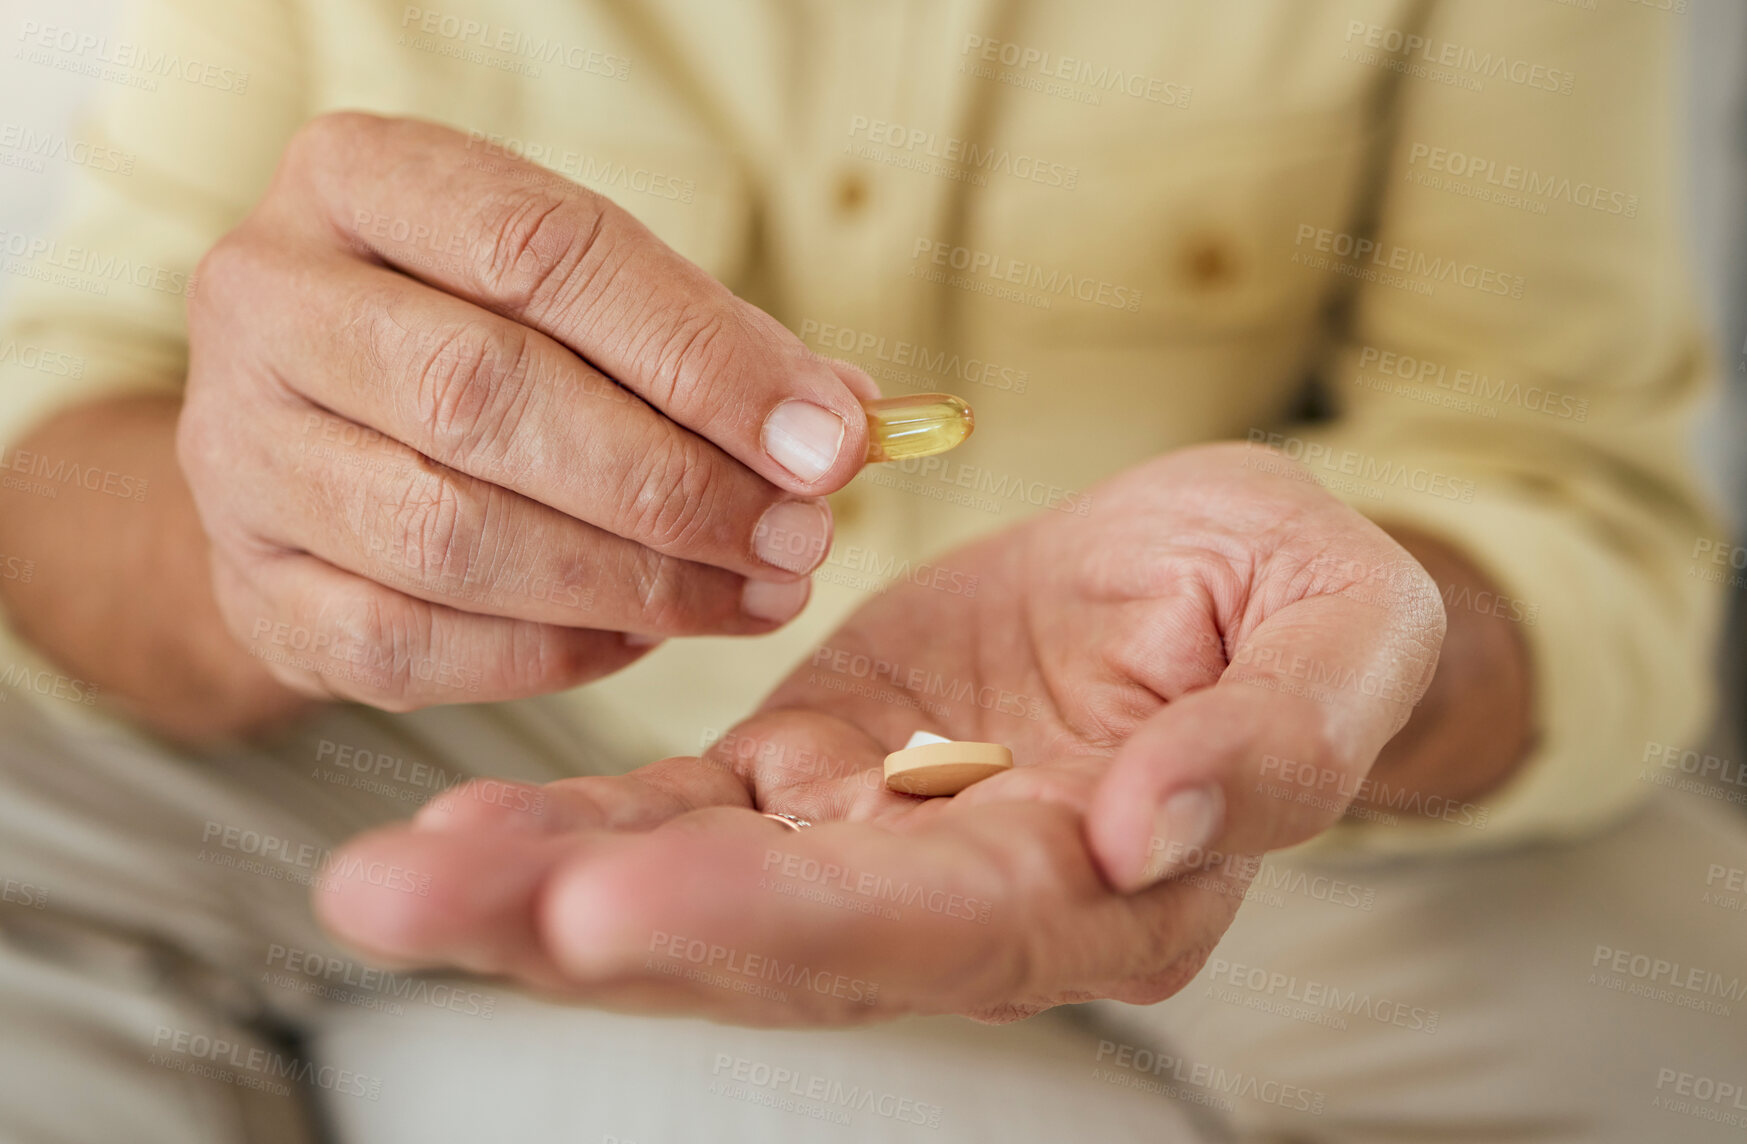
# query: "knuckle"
330, 137
389, 634
470, 389
224, 464
225, 274
195, 444
687, 355
536, 240
662, 600
431, 529
354, 640
673, 505
545, 658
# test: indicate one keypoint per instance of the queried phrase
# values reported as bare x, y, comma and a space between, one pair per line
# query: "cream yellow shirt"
1115, 228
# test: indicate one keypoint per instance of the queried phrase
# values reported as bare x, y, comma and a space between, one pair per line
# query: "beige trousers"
161, 979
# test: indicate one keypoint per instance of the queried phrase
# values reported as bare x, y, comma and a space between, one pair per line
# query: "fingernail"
803, 438
776, 603
639, 640
791, 535
1182, 828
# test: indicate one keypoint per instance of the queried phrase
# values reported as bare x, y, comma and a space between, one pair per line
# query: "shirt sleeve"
191, 103
1518, 373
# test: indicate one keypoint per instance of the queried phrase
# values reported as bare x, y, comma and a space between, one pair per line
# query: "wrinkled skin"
457, 427
1213, 613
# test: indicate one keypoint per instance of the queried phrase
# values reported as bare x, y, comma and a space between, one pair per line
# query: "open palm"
1151, 664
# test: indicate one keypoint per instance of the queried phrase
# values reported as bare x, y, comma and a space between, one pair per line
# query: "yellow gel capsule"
899, 428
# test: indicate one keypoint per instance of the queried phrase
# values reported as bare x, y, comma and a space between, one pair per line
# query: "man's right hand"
460, 430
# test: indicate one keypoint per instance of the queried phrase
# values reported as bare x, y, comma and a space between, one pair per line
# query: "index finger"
514, 238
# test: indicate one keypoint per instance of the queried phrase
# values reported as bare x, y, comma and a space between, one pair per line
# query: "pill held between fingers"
932, 766
903, 428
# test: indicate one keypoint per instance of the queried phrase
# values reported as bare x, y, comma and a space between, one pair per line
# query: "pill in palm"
930, 765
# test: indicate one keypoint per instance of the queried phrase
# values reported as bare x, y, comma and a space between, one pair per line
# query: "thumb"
1274, 751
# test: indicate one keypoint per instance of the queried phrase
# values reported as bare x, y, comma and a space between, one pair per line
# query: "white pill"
930, 765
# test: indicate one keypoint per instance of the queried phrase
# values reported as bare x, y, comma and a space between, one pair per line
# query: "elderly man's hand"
455, 425
1165, 669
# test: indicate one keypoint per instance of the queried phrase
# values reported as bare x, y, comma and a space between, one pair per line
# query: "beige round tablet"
941, 766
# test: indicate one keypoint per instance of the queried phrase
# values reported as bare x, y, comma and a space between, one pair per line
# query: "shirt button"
1208, 262
851, 193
